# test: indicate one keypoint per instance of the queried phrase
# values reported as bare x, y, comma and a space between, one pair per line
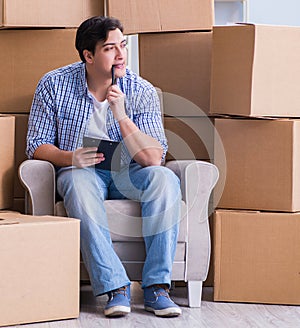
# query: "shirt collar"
82, 82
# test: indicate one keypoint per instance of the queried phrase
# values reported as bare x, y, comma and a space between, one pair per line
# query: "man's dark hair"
93, 30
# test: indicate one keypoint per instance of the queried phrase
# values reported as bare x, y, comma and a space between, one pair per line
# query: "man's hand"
83, 157
116, 99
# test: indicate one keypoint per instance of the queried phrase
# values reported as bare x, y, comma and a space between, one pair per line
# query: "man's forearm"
144, 149
48, 152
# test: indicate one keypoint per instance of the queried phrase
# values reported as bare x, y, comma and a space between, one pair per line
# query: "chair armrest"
198, 179
38, 179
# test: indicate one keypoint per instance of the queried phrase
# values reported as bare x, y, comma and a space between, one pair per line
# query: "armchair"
191, 263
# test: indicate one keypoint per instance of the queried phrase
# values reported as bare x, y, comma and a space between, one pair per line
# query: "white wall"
277, 12
133, 53
228, 12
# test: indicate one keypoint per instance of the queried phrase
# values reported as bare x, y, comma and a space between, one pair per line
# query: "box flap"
32, 219
8, 221
9, 217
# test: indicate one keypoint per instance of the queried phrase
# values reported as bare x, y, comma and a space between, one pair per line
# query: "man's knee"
162, 174
164, 180
78, 182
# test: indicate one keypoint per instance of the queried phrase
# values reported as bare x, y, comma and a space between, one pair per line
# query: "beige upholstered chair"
191, 264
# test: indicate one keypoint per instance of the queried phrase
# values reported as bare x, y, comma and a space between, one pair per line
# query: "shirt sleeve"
42, 121
148, 116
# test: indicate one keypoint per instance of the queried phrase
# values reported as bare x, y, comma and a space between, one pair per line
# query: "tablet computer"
110, 149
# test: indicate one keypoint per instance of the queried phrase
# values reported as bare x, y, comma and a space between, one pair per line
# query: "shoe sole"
117, 311
169, 312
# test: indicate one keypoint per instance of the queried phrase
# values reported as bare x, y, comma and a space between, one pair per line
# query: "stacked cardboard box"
255, 73
257, 257
149, 16
39, 281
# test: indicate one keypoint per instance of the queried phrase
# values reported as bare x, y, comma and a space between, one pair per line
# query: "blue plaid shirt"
61, 108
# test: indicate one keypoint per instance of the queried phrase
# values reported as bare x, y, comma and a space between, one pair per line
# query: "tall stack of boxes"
255, 80
30, 47
175, 42
176, 57
40, 282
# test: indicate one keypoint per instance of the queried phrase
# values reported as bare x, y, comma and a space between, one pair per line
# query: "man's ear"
88, 56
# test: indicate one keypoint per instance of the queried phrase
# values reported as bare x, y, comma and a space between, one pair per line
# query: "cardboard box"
262, 168
40, 268
257, 257
255, 70
7, 160
209, 282
137, 16
49, 49
189, 138
47, 13
21, 121
180, 64
162, 15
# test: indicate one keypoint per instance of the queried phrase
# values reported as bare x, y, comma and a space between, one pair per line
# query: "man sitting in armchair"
99, 97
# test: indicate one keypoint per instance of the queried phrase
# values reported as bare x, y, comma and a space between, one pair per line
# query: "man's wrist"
122, 118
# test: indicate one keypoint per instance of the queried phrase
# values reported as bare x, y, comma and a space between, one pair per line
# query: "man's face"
111, 52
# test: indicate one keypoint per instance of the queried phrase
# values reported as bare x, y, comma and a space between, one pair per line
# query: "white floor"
210, 315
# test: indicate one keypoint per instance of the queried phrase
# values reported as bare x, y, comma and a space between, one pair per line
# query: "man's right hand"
116, 99
88, 156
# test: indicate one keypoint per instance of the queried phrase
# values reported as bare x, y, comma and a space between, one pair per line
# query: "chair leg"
194, 293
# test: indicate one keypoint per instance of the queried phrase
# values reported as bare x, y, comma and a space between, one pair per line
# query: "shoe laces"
121, 290
163, 290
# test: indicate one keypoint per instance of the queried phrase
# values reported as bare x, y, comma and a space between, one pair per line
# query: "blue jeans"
156, 188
